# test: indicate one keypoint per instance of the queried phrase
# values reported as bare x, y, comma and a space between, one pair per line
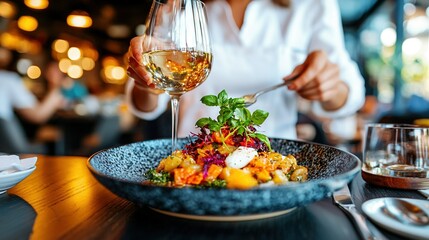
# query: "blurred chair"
13, 139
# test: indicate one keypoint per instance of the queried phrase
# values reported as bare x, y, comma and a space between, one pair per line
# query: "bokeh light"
7, 10
74, 53
64, 65
388, 37
60, 45
75, 71
88, 64
411, 46
34, 72
79, 19
27, 23
22, 65
37, 4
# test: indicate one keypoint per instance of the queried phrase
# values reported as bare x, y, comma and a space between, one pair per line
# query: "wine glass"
176, 49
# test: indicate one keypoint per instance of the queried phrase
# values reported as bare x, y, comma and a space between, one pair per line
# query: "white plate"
225, 218
373, 209
11, 179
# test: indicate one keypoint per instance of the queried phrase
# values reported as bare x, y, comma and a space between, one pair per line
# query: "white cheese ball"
240, 157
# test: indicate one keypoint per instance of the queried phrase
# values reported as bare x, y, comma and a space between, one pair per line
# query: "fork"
250, 99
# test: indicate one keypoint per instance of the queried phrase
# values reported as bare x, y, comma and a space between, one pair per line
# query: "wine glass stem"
174, 120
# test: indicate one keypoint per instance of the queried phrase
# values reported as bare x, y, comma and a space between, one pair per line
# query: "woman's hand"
320, 81
142, 97
136, 69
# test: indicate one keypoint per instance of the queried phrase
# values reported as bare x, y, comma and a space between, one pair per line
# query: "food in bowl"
228, 152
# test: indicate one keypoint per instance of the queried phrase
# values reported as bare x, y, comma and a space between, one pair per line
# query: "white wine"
177, 71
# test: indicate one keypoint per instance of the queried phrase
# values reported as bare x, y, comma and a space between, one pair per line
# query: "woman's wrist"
144, 99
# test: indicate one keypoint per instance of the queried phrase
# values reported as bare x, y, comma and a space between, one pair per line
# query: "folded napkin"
12, 163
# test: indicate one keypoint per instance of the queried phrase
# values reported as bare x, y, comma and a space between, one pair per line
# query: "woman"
258, 44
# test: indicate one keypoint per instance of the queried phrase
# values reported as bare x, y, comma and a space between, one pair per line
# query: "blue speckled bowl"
122, 169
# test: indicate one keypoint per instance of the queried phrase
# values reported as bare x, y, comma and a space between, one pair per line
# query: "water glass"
400, 150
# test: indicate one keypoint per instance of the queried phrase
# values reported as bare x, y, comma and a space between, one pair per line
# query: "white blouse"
271, 42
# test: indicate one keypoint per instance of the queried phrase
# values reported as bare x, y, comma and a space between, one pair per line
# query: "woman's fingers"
309, 70
137, 71
324, 86
136, 48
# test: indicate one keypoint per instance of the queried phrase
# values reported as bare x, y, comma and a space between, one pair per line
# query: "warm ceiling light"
34, 72
88, 64
118, 73
60, 45
74, 53
75, 71
27, 23
37, 4
64, 65
7, 10
79, 19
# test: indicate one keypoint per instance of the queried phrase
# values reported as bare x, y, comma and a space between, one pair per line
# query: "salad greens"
234, 116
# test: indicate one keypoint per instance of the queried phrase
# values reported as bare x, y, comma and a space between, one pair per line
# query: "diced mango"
171, 163
239, 179
226, 172
263, 175
187, 161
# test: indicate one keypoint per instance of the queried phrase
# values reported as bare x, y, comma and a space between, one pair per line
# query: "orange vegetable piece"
213, 172
181, 175
195, 179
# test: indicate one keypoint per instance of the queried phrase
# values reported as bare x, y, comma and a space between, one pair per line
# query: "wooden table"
62, 200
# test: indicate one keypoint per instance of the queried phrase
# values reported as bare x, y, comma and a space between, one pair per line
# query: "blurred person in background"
74, 91
257, 44
16, 98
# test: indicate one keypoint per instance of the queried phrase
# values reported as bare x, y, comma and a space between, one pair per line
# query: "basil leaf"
233, 123
222, 97
202, 122
214, 126
209, 100
259, 116
240, 113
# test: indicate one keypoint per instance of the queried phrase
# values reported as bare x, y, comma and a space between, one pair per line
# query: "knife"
367, 230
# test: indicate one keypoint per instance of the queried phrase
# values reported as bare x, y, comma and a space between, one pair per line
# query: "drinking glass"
400, 150
176, 50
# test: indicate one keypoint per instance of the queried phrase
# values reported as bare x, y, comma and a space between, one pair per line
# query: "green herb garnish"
217, 183
158, 177
234, 116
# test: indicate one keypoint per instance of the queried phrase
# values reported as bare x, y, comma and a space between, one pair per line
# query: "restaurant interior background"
89, 39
